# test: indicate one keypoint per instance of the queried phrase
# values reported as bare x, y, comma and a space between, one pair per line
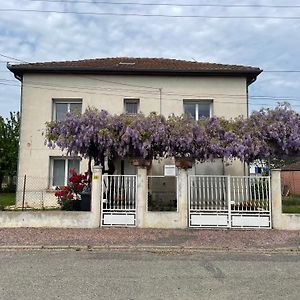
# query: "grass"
7, 199
291, 204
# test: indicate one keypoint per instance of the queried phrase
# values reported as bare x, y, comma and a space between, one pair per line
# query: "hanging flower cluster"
267, 133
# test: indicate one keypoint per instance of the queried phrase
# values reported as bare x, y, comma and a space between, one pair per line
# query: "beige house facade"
120, 85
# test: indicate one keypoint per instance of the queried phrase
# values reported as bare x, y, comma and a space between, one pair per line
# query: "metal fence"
119, 192
34, 192
118, 200
240, 193
229, 201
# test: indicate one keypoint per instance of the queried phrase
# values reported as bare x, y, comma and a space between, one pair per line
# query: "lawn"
291, 204
7, 199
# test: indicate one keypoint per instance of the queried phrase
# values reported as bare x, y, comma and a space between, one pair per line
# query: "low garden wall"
287, 222
58, 218
54, 219
280, 220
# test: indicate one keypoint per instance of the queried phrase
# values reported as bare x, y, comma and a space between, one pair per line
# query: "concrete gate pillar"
96, 195
141, 197
183, 197
276, 198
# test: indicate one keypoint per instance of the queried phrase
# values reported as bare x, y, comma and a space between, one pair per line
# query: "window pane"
73, 164
203, 110
131, 106
190, 108
58, 172
75, 108
61, 110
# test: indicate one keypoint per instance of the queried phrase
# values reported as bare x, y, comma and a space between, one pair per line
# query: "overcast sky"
271, 44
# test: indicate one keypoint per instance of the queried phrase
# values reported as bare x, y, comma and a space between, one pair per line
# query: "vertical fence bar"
200, 194
242, 183
229, 200
125, 192
224, 195
269, 195
191, 194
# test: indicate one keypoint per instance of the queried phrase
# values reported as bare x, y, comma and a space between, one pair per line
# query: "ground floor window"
60, 170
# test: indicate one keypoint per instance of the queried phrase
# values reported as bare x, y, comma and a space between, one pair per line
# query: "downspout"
19, 180
246, 166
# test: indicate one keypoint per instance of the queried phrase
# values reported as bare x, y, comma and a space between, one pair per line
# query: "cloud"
266, 43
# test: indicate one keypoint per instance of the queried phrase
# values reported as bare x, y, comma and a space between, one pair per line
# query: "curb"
151, 248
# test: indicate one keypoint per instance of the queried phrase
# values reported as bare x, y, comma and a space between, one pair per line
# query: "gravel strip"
135, 237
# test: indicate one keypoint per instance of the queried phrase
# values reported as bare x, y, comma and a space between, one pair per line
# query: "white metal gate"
118, 200
229, 201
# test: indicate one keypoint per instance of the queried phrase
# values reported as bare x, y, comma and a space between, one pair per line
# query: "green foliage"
7, 199
9, 145
291, 204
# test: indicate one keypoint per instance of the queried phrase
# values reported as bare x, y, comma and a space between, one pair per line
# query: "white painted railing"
229, 201
119, 192
118, 200
250, 193
208, 192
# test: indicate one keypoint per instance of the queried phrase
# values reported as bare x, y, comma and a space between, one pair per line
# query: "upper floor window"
60, 170
131, 106
62, 107
197, 108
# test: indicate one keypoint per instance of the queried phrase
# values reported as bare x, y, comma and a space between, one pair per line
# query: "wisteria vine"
268, 133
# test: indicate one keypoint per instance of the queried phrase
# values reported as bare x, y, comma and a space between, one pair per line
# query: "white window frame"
67, 101
66, 159
137, 100
199, 101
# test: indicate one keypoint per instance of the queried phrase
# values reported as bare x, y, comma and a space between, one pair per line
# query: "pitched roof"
130, 65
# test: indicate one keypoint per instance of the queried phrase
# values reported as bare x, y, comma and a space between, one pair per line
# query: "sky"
28, 33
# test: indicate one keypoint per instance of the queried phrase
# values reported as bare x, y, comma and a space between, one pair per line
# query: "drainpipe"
19, 181
246, 166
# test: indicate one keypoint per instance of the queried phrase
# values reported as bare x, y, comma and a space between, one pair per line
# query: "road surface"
69, 274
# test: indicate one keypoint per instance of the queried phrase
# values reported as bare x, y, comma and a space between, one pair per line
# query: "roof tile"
138, 64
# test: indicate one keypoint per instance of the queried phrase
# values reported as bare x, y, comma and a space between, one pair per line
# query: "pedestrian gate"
229, 201
118, 200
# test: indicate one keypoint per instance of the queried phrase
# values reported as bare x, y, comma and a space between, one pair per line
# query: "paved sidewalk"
135, 238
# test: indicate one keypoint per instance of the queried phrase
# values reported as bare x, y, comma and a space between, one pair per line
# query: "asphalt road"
68, 274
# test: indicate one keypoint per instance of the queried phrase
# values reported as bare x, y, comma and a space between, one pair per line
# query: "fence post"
96, 195
142, 195
229, 199
183, 197
24, 190
276, 201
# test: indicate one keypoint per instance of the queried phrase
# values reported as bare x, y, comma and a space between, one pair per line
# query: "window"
131, 106
61, 168
197, 109
62, 107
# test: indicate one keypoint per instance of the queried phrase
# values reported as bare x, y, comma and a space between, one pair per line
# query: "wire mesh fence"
34, 192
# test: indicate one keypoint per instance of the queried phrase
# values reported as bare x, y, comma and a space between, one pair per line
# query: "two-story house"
121, 85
